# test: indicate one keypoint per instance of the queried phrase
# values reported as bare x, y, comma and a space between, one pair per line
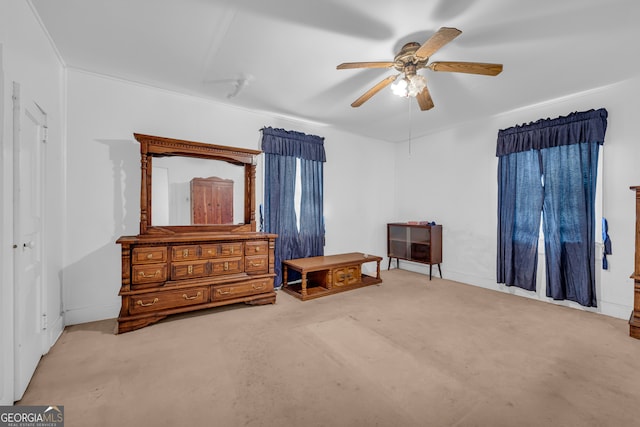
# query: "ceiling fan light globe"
399, 87
416, 85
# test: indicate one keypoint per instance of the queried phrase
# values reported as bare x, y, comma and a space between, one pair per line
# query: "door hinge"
44, 322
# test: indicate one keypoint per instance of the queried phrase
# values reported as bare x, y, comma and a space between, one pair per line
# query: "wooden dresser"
218, 258
167, 275
634, 320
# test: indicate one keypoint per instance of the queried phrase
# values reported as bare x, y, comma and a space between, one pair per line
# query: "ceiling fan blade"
377, 88
424, 100
467, 67
436, 41
348, 65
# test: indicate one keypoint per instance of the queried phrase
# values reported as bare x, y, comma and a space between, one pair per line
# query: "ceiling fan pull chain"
410, 124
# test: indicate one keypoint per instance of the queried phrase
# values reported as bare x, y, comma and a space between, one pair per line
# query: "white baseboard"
90, 314
607, 308
54, 332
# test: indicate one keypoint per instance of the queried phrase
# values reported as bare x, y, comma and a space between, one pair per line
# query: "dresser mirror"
172, 198
169, 169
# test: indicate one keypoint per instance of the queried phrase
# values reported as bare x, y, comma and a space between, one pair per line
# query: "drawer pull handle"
193, 297
225, 292
226, 265
141, 304
259, 287
149, 256
185, 253
190, 269
254, 264
143, 274
257, 249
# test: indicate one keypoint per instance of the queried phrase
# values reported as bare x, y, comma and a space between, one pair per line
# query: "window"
548, 170
293, 206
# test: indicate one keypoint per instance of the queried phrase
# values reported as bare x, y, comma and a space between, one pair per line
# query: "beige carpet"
408, 352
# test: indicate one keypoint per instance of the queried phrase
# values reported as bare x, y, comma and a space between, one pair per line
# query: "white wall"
103, 178
28, 58
450, 176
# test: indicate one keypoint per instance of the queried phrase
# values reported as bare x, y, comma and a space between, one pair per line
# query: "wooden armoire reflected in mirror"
211, 200
172, 267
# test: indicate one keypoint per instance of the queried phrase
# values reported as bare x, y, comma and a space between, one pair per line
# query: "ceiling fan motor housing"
406, 58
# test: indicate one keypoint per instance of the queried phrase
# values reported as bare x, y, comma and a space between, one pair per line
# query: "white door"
29, 133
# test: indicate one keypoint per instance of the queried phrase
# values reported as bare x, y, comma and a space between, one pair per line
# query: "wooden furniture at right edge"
415, 242
634, 320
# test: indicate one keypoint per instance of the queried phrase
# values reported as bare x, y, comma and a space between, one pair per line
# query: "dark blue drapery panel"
519, 203
550, 167
569, 221
282, 148
279, 211
311, 209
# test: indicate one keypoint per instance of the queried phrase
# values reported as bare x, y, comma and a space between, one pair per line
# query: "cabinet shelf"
415, 243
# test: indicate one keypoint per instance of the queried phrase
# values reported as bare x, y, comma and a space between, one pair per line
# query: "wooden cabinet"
634, 320
163, 275
211, 201
415, 242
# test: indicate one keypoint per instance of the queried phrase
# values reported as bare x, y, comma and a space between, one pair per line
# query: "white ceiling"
287, 50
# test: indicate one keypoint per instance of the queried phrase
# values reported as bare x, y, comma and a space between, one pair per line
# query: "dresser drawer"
148, 273
209, 251
256, 264
226, 266
184, 253
223, 292
148, 255
189, 269
230, 249
155, 301
346, 275
256, 248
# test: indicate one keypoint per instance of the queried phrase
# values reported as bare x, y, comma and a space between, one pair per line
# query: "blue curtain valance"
586, 126
293, 144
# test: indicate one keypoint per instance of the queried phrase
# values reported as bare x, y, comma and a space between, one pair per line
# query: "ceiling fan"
413, 57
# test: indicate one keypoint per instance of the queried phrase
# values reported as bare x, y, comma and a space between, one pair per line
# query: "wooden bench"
326, 275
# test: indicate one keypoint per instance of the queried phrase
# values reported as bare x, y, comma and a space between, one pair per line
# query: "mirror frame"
157, 146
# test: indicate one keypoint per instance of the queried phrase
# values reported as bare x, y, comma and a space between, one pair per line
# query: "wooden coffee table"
326, 275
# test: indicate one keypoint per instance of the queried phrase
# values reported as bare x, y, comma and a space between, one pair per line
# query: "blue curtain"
569, 221
311, 209
282, 148
279, 210
520, 196
549, 168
